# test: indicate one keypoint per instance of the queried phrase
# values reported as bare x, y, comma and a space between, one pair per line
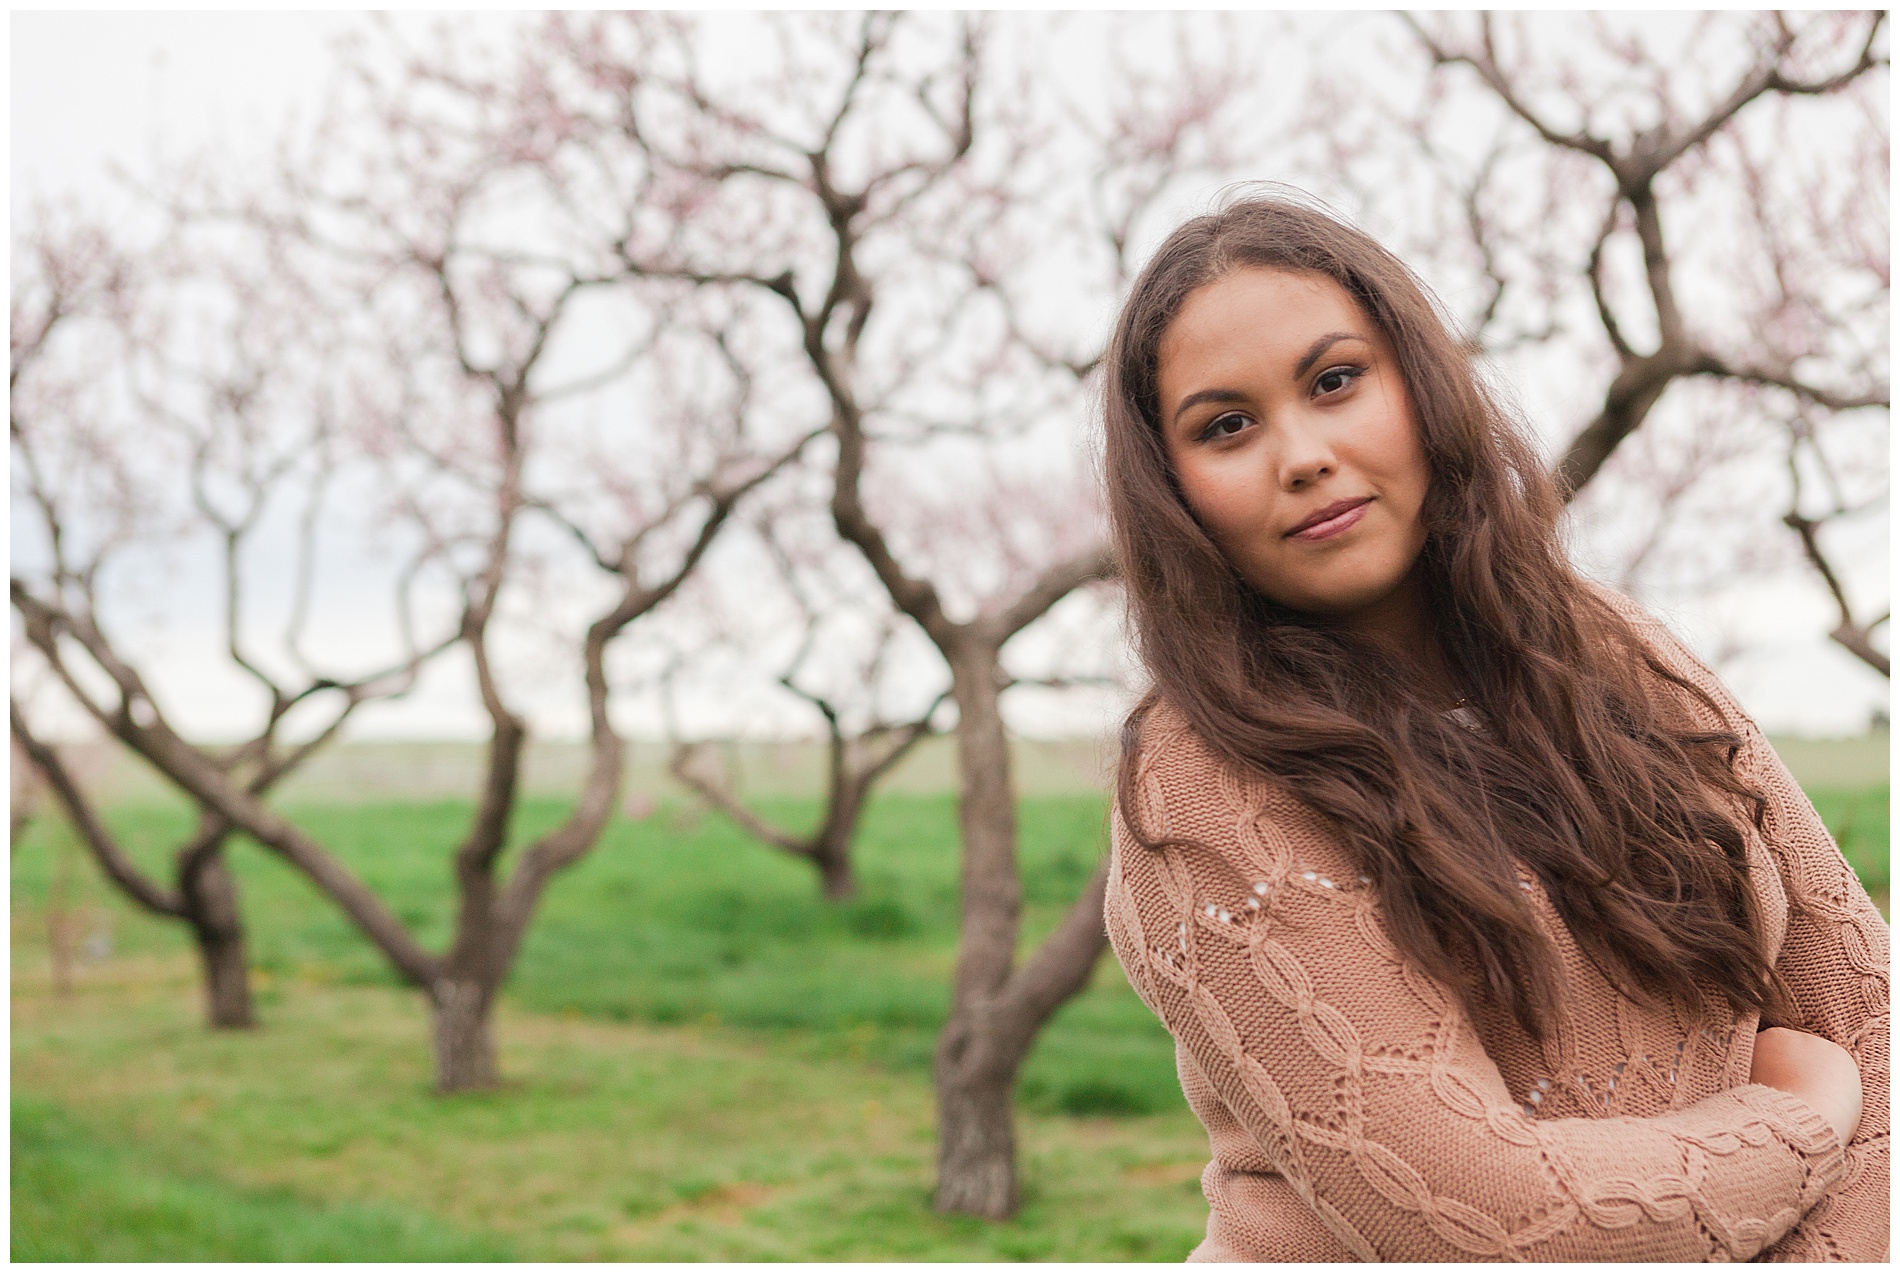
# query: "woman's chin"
1339, 604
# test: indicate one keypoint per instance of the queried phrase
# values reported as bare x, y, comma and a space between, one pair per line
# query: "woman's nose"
1306, 456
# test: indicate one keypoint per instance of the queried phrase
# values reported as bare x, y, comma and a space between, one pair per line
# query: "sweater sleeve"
1834, 962
1366, 1087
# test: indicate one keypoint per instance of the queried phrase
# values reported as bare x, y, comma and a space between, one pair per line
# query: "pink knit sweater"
1355, 1111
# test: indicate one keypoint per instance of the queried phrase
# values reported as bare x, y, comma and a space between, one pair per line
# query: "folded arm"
1834, 961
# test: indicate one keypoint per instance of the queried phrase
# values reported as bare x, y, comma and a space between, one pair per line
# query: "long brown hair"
1591, 768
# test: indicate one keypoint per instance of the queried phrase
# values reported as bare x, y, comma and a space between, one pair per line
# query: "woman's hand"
1821, 1073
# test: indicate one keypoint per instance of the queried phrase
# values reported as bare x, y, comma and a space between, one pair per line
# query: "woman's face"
1294, 441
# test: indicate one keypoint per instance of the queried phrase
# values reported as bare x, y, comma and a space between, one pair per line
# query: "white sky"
94, 90
89, 90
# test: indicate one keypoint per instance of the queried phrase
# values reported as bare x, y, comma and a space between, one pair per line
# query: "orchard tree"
579, 416
862, 668
841, 667
511, 442
927, 216
165, 397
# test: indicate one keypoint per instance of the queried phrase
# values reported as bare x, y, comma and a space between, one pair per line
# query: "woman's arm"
1834, 961
1366, 1087
1819, 1071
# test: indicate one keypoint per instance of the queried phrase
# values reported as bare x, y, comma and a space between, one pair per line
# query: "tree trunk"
831, 846
976, 1133
464, 1036
976, 1140
227, 980
211, 908
834, 871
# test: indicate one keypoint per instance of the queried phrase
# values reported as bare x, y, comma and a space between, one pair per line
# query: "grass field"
704, 1061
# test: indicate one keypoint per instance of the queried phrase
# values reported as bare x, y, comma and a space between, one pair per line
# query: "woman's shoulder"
1173, 758
1165, 737
1183, 796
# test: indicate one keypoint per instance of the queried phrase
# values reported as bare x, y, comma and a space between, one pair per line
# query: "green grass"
704, 1060
680, 918
1858, 820
609, 1141
676, 930
77, 1196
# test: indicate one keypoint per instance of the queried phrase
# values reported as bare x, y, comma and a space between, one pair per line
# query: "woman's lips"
1334, 519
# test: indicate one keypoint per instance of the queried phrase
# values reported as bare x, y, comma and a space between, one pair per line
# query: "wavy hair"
1592, 769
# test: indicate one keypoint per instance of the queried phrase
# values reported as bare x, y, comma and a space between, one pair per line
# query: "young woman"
1486, 923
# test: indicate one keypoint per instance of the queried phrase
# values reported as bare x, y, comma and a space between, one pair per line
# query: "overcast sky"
91, 90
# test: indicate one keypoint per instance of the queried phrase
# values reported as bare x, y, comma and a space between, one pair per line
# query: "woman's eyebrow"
1320, 346
1199, 396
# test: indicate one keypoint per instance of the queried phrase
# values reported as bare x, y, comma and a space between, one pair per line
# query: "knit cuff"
1814, 1138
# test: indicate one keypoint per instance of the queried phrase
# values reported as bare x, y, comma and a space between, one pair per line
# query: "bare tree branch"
103, 845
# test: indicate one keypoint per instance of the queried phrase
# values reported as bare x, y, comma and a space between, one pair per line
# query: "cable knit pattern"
1357, 1112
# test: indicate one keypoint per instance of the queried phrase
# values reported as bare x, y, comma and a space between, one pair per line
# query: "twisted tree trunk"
976, 1149
832, 856
210, 906
976, 1143
996, 1009
464, 1035
204, 895
854, 767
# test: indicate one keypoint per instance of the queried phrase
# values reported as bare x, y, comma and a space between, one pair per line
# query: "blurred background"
545, 546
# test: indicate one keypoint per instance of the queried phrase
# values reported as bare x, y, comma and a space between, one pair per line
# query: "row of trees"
785, 332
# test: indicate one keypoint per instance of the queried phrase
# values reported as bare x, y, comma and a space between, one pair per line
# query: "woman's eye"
1334, 379
1223, 427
